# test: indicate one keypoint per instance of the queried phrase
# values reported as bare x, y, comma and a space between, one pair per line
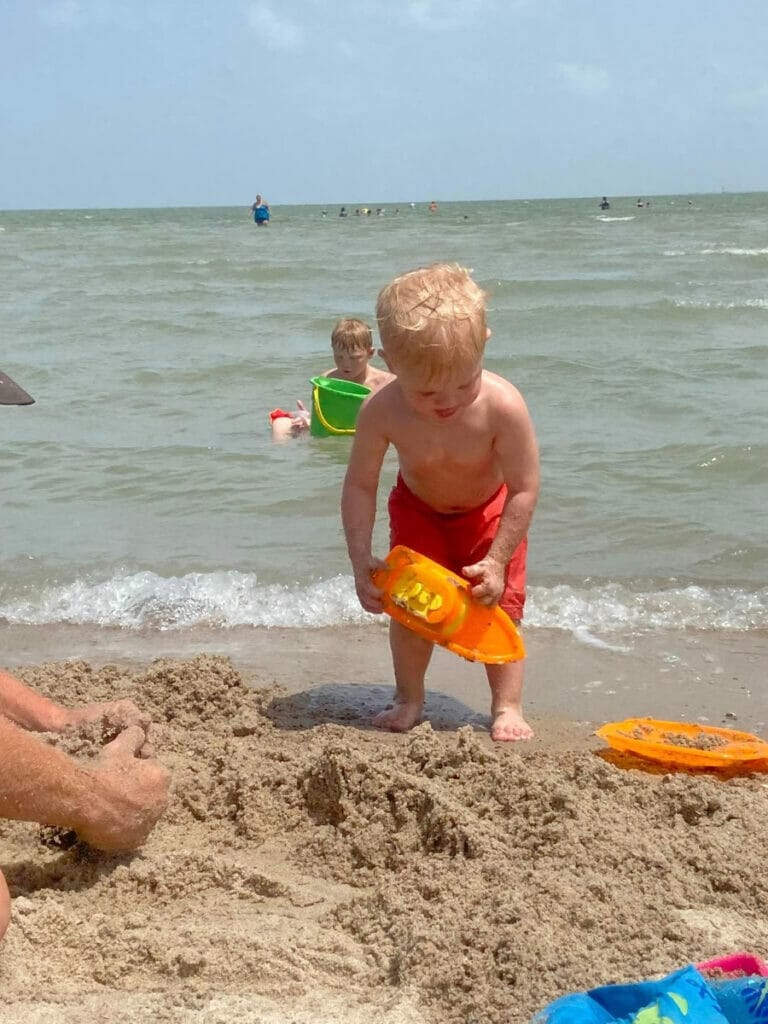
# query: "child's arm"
358, 503
518, 456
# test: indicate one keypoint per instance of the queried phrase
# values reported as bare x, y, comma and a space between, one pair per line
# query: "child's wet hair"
351, 335
433, 319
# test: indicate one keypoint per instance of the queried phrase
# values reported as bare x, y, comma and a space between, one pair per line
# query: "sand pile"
328, 873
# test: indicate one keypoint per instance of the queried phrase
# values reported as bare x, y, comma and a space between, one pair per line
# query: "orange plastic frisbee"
437, 604
685, 745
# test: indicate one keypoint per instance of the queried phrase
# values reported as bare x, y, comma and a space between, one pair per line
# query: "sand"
310, 869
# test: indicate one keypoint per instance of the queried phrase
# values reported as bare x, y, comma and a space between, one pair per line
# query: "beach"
157, 545
310, 868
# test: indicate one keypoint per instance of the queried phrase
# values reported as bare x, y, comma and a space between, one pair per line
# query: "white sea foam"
612, 608
727, 250
223, 599
226, 599
607, 219
582, 634
730, 250
721, 304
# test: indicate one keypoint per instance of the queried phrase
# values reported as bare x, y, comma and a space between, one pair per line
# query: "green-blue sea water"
143, 489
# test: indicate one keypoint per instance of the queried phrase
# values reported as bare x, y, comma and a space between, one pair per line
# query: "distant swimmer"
640, 202
433, 207
260, 211
605, 205
343, 211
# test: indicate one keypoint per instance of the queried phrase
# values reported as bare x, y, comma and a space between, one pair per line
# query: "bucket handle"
329, 427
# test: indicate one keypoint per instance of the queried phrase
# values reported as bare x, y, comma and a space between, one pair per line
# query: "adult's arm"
112, 804
30, 710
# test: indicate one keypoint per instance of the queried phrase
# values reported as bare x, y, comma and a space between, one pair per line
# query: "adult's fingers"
128, 744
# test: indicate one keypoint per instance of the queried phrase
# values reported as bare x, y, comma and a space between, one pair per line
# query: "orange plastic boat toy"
684, 745
437, 604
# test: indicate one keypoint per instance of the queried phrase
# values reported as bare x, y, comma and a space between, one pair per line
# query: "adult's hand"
130, 795
112, 803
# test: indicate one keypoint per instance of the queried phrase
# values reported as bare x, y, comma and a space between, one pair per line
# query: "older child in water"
469, 473
352, 345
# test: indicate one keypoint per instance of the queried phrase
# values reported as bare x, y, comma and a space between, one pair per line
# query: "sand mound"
330, 873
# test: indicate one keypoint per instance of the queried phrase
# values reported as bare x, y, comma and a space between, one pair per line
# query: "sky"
125, 103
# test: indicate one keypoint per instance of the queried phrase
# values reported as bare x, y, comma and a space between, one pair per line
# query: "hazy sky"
206, 102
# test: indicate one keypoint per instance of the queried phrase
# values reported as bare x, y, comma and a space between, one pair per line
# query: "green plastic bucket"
335, 405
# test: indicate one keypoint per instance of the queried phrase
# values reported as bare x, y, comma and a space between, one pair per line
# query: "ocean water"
142, 490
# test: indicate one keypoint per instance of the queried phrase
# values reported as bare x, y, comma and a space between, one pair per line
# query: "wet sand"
312, 869
717, 678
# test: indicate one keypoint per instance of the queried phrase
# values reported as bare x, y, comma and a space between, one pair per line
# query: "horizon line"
406, 202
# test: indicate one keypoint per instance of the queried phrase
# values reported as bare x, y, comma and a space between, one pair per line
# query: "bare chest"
451, 470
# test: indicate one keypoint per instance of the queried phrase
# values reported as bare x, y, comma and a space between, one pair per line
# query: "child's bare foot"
401, 717
509, 726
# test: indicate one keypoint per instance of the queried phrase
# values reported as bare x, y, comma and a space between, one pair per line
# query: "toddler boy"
352, 345
469, 473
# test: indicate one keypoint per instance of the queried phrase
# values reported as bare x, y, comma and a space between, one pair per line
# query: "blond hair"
351, 335
432, 320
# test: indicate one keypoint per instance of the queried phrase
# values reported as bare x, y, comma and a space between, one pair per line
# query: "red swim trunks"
457, 539
278, 414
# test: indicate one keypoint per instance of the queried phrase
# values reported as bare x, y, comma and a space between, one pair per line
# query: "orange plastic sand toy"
437, 604
685, 745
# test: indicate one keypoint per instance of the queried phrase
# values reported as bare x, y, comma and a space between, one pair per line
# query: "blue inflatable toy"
680, 998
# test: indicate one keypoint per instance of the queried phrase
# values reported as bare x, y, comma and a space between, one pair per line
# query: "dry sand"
311, 870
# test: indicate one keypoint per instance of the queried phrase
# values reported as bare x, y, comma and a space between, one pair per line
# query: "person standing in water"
260, 211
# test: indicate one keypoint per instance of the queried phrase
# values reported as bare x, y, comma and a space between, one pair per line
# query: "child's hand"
368, 593
300, 419
488, 578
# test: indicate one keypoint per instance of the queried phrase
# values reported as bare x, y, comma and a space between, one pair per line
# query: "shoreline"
710, 677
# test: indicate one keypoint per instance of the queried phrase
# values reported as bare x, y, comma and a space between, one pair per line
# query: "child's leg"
281, 428
410, 658
506, 682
